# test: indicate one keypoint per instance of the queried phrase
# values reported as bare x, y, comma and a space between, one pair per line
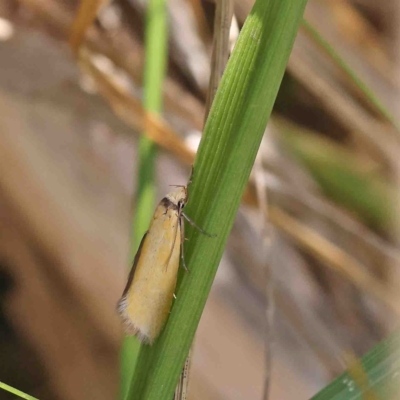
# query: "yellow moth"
147, 298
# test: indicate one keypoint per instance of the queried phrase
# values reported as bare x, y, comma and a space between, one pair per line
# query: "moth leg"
197, 227
182, 225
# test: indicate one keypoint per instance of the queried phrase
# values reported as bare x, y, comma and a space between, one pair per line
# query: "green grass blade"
17, 392
368, 93
156, 59
226, 155
342, 177
377, 377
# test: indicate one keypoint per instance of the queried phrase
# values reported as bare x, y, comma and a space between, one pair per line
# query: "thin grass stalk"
226, 155
156, 59
266, 233
220, 54
17, 392
357, 81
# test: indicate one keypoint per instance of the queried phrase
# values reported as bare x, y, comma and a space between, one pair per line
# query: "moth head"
178, 197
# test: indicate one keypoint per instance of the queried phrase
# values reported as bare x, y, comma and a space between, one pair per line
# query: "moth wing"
134, 265
147, 298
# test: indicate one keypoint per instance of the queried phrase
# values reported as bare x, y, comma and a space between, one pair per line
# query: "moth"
146, 301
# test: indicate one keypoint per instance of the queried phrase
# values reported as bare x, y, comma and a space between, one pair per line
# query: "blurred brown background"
310, 286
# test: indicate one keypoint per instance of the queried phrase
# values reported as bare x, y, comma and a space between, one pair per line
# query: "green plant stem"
17, 392
156, 58
226, 155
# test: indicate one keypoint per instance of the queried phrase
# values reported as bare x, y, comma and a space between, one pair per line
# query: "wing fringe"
129, 326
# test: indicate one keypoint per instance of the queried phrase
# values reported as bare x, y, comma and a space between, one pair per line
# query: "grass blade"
17, 392
342, 177
359, 83
156, 59
375, 377
226, 155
